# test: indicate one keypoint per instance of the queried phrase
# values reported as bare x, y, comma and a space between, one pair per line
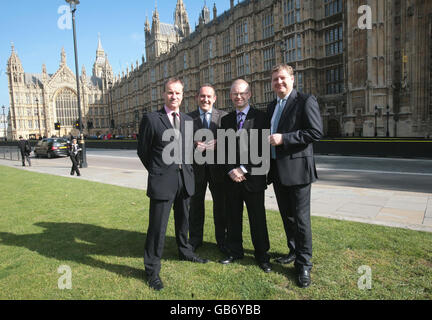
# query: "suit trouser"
236, 196
197, 210
158, 221
75, 161
25, 156
294, 208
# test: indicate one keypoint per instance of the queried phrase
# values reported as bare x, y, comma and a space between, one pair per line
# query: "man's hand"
237, 175
211, 145
276, 139
200, 146
208, 145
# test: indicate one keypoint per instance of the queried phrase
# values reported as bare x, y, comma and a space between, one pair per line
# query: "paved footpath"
411, 210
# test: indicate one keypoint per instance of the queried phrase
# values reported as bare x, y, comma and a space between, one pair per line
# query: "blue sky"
33, 28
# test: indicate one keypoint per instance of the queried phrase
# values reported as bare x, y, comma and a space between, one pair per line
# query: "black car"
52, 147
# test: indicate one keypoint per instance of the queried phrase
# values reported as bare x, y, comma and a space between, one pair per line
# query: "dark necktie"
176, 120
205, 121
240, 120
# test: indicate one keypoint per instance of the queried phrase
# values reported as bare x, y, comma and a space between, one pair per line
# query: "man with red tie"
170, 184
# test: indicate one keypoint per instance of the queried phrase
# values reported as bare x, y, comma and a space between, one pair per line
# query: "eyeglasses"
235, 94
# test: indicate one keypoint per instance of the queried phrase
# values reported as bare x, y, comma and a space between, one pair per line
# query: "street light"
376, 114
83, 162
388, 116
111, 107
4, 123
39, 122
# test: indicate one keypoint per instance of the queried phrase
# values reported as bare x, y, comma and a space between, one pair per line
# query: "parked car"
52, 147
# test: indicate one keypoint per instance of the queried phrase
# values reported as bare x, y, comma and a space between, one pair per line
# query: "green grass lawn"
99, 231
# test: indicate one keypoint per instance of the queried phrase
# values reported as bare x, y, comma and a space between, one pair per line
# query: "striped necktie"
240, 120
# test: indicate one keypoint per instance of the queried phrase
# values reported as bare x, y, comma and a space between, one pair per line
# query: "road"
380, 173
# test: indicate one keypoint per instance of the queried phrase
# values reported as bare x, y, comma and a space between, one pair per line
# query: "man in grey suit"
170, 184
295, 124
207, 117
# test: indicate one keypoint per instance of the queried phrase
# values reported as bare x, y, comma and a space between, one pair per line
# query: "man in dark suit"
25, 149
295, 124
243, 186
207, 117
170, 183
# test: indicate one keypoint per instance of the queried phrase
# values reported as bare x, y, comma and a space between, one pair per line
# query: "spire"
83, 72
63, 57
214, 11
147, 25
100, 52
205, 14
181, 20
14, 63
155, 22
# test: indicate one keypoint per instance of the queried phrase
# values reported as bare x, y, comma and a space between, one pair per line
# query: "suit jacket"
24, 147
255, 119
301, 125
162, 177
216, 171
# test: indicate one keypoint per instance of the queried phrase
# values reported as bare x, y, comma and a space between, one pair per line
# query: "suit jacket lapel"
272, 108
249, 119
164, 118
289, 106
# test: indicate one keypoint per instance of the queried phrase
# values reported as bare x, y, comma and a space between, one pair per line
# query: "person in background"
25, 150
74, 156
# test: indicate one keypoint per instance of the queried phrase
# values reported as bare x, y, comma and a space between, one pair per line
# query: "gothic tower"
161, 37
15, 69
101, 67
181, 20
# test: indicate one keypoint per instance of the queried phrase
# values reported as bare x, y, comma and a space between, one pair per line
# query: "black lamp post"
111, 107
388, 116
39, 122
83, 162
376, 115
4, 123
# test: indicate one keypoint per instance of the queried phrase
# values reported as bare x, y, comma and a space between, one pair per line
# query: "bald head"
240, 82
240, 94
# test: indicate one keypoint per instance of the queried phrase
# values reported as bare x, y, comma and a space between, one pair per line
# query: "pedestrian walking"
74, 156
25, 150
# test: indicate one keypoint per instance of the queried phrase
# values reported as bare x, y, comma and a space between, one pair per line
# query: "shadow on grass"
79, 242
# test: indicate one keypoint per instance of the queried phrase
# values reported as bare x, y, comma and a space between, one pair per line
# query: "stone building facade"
38, 101
357, 62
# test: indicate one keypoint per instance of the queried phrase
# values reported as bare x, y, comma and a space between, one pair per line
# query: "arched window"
67, 107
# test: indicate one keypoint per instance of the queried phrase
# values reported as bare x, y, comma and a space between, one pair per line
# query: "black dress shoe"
195, 259
286, 259
266, 267
156, 283
304, 278
196, 246
223, 249
229, 259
